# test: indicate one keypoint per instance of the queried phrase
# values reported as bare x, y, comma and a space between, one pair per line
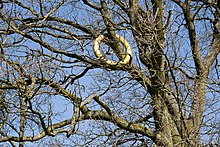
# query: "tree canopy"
109, 73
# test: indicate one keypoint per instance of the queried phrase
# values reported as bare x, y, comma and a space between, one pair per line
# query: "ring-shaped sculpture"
98, 53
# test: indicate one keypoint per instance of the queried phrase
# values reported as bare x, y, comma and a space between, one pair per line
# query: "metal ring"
98, 53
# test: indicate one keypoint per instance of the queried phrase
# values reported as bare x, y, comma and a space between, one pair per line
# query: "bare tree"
110, 73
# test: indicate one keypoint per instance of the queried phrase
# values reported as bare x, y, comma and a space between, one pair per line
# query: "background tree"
55, 91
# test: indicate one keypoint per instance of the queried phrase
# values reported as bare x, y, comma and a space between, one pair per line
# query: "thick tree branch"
193, 40
215, 45
92, 5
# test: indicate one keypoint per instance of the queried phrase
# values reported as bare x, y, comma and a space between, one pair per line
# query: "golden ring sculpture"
100, 56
